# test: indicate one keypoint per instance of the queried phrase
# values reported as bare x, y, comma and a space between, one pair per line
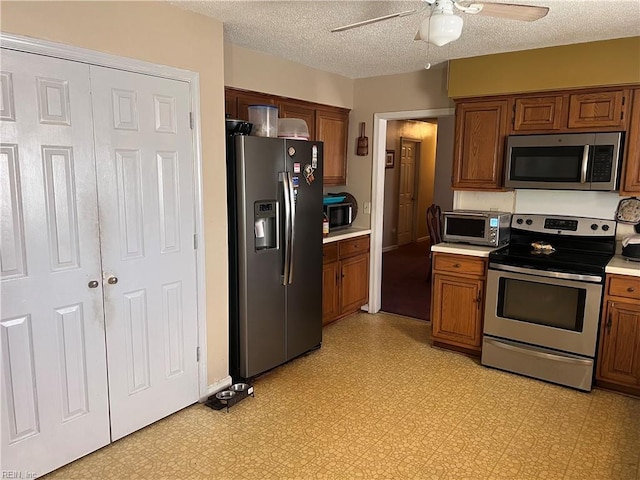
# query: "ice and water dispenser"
266, 224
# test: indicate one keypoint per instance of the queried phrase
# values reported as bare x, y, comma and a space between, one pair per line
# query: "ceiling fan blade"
377, 19
526, 13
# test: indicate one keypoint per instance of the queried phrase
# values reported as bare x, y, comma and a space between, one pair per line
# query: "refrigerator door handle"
292, 222
287, 226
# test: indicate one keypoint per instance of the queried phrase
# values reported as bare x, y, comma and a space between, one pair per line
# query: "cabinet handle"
631, 289
479, 299
609, 321
456, 265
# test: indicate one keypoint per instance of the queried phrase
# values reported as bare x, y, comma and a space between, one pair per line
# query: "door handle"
93, 284
112, 280
585, 164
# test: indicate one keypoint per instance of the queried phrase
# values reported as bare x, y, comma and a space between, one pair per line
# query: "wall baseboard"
424, 239
389, 248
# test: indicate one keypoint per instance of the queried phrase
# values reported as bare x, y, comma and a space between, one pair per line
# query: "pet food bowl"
239, 387
225, 395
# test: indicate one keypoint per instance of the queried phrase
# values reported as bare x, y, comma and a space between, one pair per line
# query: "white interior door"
146, 197
406, 192
54, 378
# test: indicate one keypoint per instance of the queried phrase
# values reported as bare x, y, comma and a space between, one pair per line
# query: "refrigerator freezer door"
304, 294
261, 293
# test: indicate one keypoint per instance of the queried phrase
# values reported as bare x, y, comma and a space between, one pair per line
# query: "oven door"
535, 307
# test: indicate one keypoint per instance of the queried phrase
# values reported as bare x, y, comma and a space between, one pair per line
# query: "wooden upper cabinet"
331, 128
481, 129
327, 124
296, 110
630, 183
536, 114
598, 110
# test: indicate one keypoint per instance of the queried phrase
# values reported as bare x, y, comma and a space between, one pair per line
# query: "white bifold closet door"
54, 369
145, 191
96, 183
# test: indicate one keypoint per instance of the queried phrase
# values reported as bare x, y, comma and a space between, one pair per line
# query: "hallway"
405, 289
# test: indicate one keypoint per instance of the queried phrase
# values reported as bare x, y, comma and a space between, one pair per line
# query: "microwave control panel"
602, 163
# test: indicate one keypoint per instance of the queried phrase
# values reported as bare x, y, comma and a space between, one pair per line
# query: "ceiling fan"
443, 26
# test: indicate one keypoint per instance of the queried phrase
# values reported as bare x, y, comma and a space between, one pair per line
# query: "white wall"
442, 192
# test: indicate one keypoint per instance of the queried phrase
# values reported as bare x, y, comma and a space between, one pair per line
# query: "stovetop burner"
566, 244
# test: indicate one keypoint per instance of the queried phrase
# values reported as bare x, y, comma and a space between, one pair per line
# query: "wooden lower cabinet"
457, 301
330, 291
618, 365
345, 277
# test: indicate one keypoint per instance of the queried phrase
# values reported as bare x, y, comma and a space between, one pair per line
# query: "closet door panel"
54, 381
145, 187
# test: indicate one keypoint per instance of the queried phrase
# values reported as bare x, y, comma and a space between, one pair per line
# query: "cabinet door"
630, 184
330, 297
457, 310
619, 359
331, 128
230, 103
481, 128
604, 109
245, 99
538, 114
294, 110
354, 287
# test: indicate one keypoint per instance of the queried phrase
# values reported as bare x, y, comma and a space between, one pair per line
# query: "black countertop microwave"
572, 161
340, 215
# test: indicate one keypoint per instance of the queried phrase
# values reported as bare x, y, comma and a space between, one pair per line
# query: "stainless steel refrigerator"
274, 194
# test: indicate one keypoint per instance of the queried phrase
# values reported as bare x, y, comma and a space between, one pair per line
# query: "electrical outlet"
367, 207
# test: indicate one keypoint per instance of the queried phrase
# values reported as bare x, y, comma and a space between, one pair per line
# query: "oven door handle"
536, 353
544, 273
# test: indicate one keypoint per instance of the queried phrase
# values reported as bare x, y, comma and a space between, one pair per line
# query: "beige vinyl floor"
377, 401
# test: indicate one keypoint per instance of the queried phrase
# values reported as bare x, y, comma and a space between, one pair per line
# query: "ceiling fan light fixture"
440, 29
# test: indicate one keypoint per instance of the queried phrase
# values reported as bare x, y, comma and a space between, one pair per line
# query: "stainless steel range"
543, 299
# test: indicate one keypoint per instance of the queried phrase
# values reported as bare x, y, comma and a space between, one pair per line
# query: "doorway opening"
398, 226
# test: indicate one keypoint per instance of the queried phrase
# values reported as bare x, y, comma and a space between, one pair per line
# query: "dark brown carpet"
405, 289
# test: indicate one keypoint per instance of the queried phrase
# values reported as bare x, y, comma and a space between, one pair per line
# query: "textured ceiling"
300, 31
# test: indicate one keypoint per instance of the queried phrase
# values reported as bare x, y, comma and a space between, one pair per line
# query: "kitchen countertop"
622, 266
346, 233
462, 249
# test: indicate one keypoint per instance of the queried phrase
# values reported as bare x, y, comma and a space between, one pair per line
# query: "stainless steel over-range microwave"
573, 161
477, 227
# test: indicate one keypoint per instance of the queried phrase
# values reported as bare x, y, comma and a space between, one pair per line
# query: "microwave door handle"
292, 222
287, 227
585, 164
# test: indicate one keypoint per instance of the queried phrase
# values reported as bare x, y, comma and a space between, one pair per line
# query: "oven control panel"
564, 225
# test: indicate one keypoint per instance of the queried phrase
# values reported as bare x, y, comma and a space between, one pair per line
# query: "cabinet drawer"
329, 252
354, 246
459, 264
621, 286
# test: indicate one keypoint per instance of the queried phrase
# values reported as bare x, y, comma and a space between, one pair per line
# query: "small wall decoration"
390, 159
